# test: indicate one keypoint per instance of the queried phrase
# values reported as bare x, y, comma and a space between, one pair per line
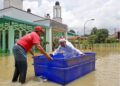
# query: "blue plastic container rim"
57, 58
92, 60
62, 58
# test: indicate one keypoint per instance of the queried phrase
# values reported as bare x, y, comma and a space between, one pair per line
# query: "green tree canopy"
94, 31
102, 34
92, 39
72, 31
98, 35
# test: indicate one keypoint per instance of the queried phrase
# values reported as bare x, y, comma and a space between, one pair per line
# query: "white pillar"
10, 38
60, 12
20, 34
66, 36
3, 40
0, 39
49, 39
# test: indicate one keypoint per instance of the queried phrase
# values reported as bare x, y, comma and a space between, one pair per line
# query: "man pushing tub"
20, 49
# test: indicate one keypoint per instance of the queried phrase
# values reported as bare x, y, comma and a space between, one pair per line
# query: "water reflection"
107, 71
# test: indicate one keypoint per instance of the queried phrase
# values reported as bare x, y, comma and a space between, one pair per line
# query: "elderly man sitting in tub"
67, 49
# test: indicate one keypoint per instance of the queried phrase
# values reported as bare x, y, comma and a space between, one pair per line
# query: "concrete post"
10, 38
3, 40
66, 36
49, 39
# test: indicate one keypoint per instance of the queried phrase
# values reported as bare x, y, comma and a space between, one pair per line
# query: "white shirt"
68, 51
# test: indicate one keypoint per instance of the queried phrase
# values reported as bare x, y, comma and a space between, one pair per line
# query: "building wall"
19, 14
14, 3
4, 34
43, 22
53, 26
10, 32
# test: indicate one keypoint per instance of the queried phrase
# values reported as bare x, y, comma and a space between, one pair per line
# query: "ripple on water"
107, 72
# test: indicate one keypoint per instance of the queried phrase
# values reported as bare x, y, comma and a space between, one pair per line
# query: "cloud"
39, 7
75, 13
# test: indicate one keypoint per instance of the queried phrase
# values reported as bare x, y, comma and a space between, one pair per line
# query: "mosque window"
16, 35
6, 39
23, 33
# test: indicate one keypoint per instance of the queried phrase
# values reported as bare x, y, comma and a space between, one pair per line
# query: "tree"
111, 40
94, 31
92, 39
72, 31
98, 35
102, 34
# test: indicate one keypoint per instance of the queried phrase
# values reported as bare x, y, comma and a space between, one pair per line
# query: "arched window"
23, 33
29, 31
6, 39
16, 35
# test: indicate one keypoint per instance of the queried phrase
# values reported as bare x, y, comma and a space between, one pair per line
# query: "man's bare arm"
31, 52
43, 51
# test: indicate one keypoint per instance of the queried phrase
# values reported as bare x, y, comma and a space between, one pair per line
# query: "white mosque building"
16, 22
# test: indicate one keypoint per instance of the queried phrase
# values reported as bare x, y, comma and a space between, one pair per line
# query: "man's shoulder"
69, 43
34, 34
69, 46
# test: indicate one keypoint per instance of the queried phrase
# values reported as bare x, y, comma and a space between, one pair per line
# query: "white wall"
6, 3
14, 3
1, 4
44, 22
18, 14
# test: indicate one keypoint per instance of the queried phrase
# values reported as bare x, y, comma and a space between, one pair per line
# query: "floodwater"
107, 71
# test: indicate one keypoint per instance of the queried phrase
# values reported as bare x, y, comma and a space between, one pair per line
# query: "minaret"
14, 3
57, 12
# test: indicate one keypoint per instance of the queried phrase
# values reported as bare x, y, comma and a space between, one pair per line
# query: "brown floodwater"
107, 71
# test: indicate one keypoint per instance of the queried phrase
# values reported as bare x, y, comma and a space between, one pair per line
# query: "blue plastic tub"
65, 75
60, 61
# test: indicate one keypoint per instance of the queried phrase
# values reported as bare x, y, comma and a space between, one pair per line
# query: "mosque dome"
57, 3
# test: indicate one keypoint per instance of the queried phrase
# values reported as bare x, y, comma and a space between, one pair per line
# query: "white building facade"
15, 22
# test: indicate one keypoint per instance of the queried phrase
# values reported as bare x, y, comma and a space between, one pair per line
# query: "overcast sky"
76, 12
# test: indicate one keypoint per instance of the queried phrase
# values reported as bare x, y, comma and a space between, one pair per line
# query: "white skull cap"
62, 40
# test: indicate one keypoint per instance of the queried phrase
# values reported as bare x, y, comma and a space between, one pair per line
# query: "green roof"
7, 18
